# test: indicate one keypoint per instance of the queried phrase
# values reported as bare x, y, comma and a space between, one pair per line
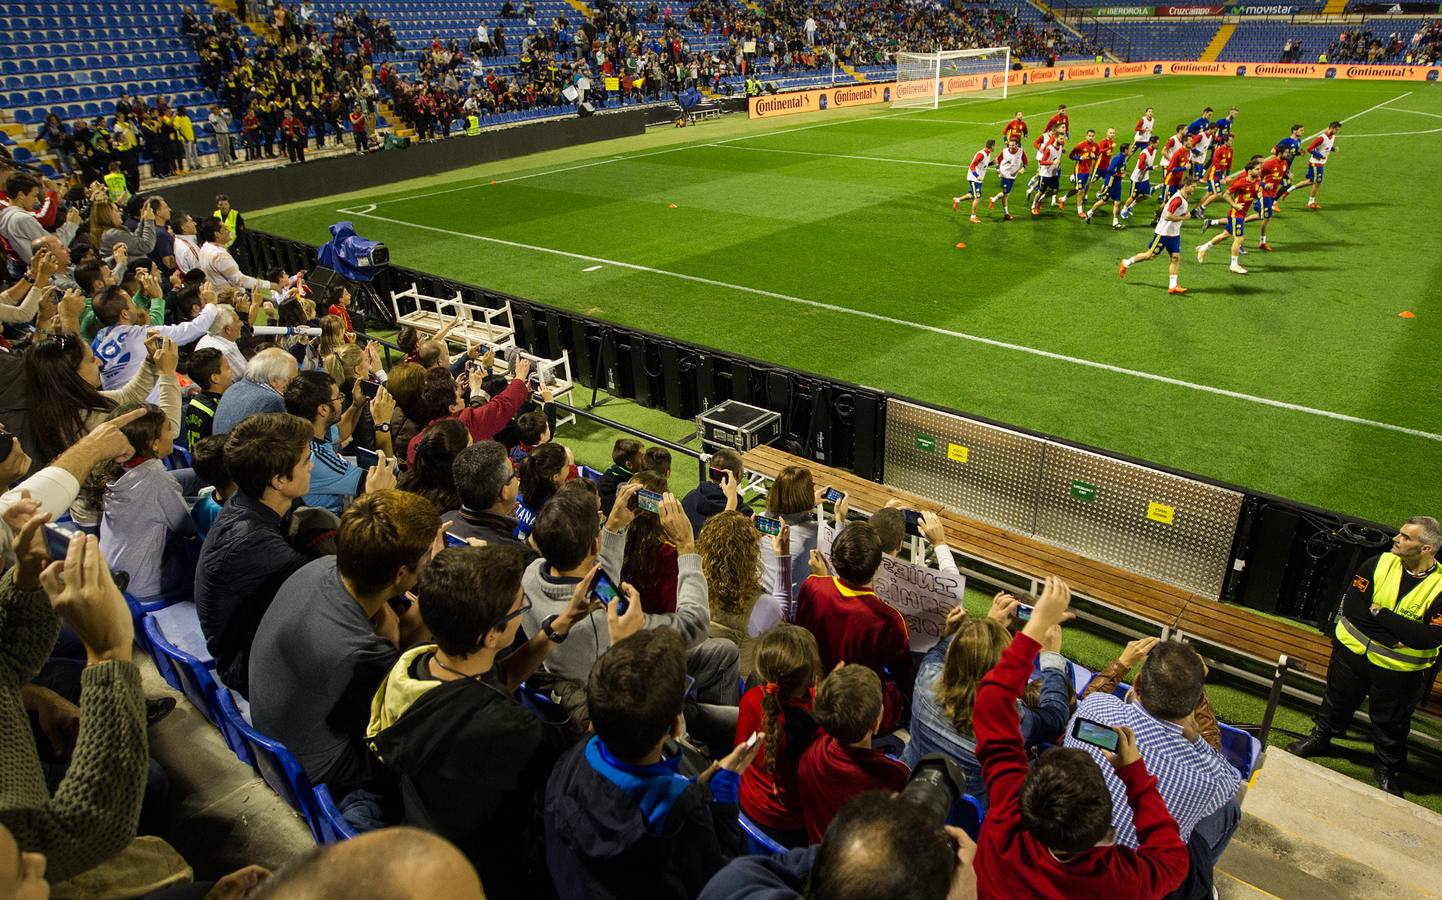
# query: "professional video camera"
937, 785
352, 255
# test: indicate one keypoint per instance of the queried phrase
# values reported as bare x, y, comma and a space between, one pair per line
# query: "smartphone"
913, 521
453, 541
1023, 613
767, 525
751, 741
1095, 733
370, 389
57, 540
365, 458
832, 495
605, 591
650, 501
717, 475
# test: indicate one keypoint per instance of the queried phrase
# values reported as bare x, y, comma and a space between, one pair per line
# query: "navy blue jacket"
779, 877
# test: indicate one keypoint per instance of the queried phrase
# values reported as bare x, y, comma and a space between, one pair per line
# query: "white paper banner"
921, 594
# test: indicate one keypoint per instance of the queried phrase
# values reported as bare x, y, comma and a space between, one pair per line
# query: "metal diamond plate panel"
1171, 528
979, 470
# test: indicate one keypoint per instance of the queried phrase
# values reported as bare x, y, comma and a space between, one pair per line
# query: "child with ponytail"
788, 667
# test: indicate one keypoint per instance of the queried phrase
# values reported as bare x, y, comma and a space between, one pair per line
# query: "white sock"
1126, 263
1171, 281
1115, 221
1235, 260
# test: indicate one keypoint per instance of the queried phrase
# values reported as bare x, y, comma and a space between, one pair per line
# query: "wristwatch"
551, 634
384, 427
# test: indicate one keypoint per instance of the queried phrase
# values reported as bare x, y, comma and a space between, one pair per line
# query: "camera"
351, 255
937, 785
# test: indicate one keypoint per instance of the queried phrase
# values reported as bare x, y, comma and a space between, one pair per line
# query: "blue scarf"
654, 788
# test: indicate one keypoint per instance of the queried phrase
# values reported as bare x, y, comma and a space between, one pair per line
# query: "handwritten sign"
921, 594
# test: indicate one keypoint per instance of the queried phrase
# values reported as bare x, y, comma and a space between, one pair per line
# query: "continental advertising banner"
872, 92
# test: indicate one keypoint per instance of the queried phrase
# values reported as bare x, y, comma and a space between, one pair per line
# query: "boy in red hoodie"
1048, 831
840, 763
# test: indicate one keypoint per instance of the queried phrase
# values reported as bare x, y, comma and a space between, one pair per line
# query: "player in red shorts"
1241, 194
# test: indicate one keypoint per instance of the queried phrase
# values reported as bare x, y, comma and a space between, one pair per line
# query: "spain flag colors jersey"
1244, 191
1221, 163
1014, 130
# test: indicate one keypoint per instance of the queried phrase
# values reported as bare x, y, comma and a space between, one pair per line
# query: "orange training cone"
670, 206
1407, 314
961, 246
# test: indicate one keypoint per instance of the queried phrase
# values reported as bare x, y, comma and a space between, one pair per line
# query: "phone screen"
832, 495
717, 475
650, 501
370, 388
1023, 613
767, 525
605, 591
913, 521
1094, 733
57, 540
365, 458
453, 541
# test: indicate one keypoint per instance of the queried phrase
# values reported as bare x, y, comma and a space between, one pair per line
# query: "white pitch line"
1353, 137
887, 159
933, 329
1004, 121
1373, 108
1415, 112
592, 268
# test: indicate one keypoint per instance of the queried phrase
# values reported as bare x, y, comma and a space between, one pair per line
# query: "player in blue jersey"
1111, 180
1201, 123
1288, 148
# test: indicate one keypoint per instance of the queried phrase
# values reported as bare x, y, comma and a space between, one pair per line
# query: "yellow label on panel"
956, 452
1160, 512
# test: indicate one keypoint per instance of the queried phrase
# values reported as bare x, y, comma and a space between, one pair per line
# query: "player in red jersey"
1142, 134
1105, 148
1141, 176
1084, 154
1010, 163
1272, 175
1015, 130
1048, 169
1219, 170
1179, 163
1062, 119
1241, 194
1168, 236
1318, 152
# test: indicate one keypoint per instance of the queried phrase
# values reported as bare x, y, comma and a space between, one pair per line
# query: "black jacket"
611, 481
706, 501
489, 527
598, 845
473, 764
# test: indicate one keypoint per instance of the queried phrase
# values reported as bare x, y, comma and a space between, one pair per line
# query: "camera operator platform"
1385, 647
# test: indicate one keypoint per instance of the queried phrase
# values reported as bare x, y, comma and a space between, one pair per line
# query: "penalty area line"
933, 329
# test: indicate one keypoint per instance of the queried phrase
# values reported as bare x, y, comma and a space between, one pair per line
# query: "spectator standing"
222, 126
711, 497
185, 132
219, 266
225, 330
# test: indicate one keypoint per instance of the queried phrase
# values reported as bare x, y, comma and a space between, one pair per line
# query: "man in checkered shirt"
1179, 740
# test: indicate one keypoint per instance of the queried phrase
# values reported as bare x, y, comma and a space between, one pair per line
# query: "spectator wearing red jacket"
840, 763
1048, 830
852, 624
788, 667
440, 400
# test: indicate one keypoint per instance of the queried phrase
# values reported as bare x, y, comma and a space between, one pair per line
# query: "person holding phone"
1049, 831
1168, 710
720, 492
449, 718
315, 397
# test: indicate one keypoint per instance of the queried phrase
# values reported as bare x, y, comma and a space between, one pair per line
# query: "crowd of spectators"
577, 686
1363, 46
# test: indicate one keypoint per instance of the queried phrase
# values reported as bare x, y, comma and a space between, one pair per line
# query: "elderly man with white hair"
261, 390
224, 332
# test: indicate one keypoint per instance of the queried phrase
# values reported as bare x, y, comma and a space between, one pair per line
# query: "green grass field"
827, 243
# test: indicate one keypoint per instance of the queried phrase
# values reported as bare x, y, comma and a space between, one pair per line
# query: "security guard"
228, 217
473, 124
1385, 644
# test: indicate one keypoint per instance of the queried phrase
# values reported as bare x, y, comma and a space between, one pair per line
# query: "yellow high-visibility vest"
473, 125
1386, 584
115, 186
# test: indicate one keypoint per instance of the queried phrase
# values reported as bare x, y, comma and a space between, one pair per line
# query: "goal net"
926, 80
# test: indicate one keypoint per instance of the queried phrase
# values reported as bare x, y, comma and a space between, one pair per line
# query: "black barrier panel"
338, 174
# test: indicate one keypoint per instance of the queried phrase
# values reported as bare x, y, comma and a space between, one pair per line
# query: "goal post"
926, 80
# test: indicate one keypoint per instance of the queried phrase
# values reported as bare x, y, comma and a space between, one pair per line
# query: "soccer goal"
926, 80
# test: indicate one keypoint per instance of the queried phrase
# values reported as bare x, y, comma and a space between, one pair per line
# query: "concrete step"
1309, 832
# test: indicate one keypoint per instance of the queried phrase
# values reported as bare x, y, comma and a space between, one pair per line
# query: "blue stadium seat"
334, 827
758, 842
192, 678
279, 768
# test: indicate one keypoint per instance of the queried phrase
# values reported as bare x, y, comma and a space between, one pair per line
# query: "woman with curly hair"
741, 610
788, 665
650, 565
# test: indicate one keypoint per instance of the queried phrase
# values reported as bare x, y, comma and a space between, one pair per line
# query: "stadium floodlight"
926, 80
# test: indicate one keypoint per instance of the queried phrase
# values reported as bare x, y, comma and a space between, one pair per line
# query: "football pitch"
827, 242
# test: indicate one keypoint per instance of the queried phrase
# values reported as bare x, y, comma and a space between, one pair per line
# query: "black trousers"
1392, 697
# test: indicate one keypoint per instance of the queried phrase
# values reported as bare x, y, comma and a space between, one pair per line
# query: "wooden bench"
1206, 619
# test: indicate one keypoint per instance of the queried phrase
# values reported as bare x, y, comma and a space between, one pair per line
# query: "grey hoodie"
591, 637
141, 508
